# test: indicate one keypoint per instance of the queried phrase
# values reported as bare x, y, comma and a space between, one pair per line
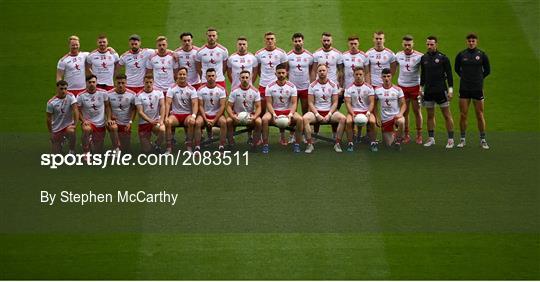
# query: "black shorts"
437, 97
475, 94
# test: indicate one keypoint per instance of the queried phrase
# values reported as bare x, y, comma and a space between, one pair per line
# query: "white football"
282, 121
360, 119
244, 118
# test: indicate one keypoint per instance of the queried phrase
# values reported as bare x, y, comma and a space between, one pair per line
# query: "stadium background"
418, 214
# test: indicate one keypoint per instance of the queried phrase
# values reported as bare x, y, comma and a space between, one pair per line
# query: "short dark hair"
210, 70
379, 32
353, 37
149, 76
90, 76
281, 66
357, 68
120, 76
322, 65
102, 36
408, 37
386, 71
245, 71
269, 33
472, 35
432, 37
211, 29
61, 83
326, 34
183, 68
297, 35
241, 38
186, 34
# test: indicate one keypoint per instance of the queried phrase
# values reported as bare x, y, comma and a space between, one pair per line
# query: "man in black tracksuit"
435, 73
472, 66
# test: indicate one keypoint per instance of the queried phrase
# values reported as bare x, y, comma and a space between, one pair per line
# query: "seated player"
62, 113
244, 98
358, 97
182, 105
323, 97
120, 112
212, 99
393, 106
151, 110
91, 104
281, 99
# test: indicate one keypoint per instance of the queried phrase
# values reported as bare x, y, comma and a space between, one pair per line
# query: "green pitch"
414, 214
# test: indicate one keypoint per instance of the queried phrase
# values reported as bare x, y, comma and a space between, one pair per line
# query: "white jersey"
409, 68
244, 100
379, 60
331, 59
210, 97
163, 67
122, 105
188, 59
212, 58
135, 64
74, 70
238, 63
281, 95
150, 104
181, 98
322, 94
389, 100
102, 65
359, 95
299, 67
92, 106
268, 60
351, 61
62, 113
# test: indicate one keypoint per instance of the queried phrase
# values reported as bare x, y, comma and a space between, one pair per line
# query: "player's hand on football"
210, 123
236, 119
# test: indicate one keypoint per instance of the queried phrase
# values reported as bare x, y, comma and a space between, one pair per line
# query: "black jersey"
472, 66
435, 72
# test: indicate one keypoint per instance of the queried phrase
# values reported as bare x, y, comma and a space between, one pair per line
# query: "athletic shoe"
71, 152
260, 142
292, 139
309, 148
350, 147
430, 142
157, 149
304, 139
296, 148
250, 140
374, 147
397, 146
283, 141
484, 144
337, 148
419, 139
265, 149
407, 138
450, 144
168, 152
197, 148
462, 143
189, 149
116, 150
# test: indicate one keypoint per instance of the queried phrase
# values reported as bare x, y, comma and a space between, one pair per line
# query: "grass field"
414, 214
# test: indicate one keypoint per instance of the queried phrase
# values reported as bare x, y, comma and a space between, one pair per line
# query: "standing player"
120, 112
241, 61
163, 66
332, 58
212, 56
151, 110
472, 66
181, 107
379, 58
212, 97
91, 104
392, 101
72, 67
62, 113
101, 63
269, 57
135, 60
281, 99
187, 55
409, 81
435, 72
359, 96
323, 99
300, 69
244, 98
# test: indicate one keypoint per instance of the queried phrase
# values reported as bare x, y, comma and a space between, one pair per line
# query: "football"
360, 119
282, 121
244, 118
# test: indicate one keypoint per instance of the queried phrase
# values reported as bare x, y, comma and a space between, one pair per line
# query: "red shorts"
323, 113
411, 92
59, 135
98, 133
135, 89
212, 117
282, 112
145, 129
76, 92
105, 87
222, 84
122, 129
388, 126
181, 117
302, 94
262, 91
357, 112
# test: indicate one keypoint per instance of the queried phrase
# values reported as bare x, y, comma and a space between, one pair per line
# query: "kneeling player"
358, 97
244, 98
212, 99
393, 106
323, 97
282, 99
120, 111
91, 104
61, 116
181, 106
151, 110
